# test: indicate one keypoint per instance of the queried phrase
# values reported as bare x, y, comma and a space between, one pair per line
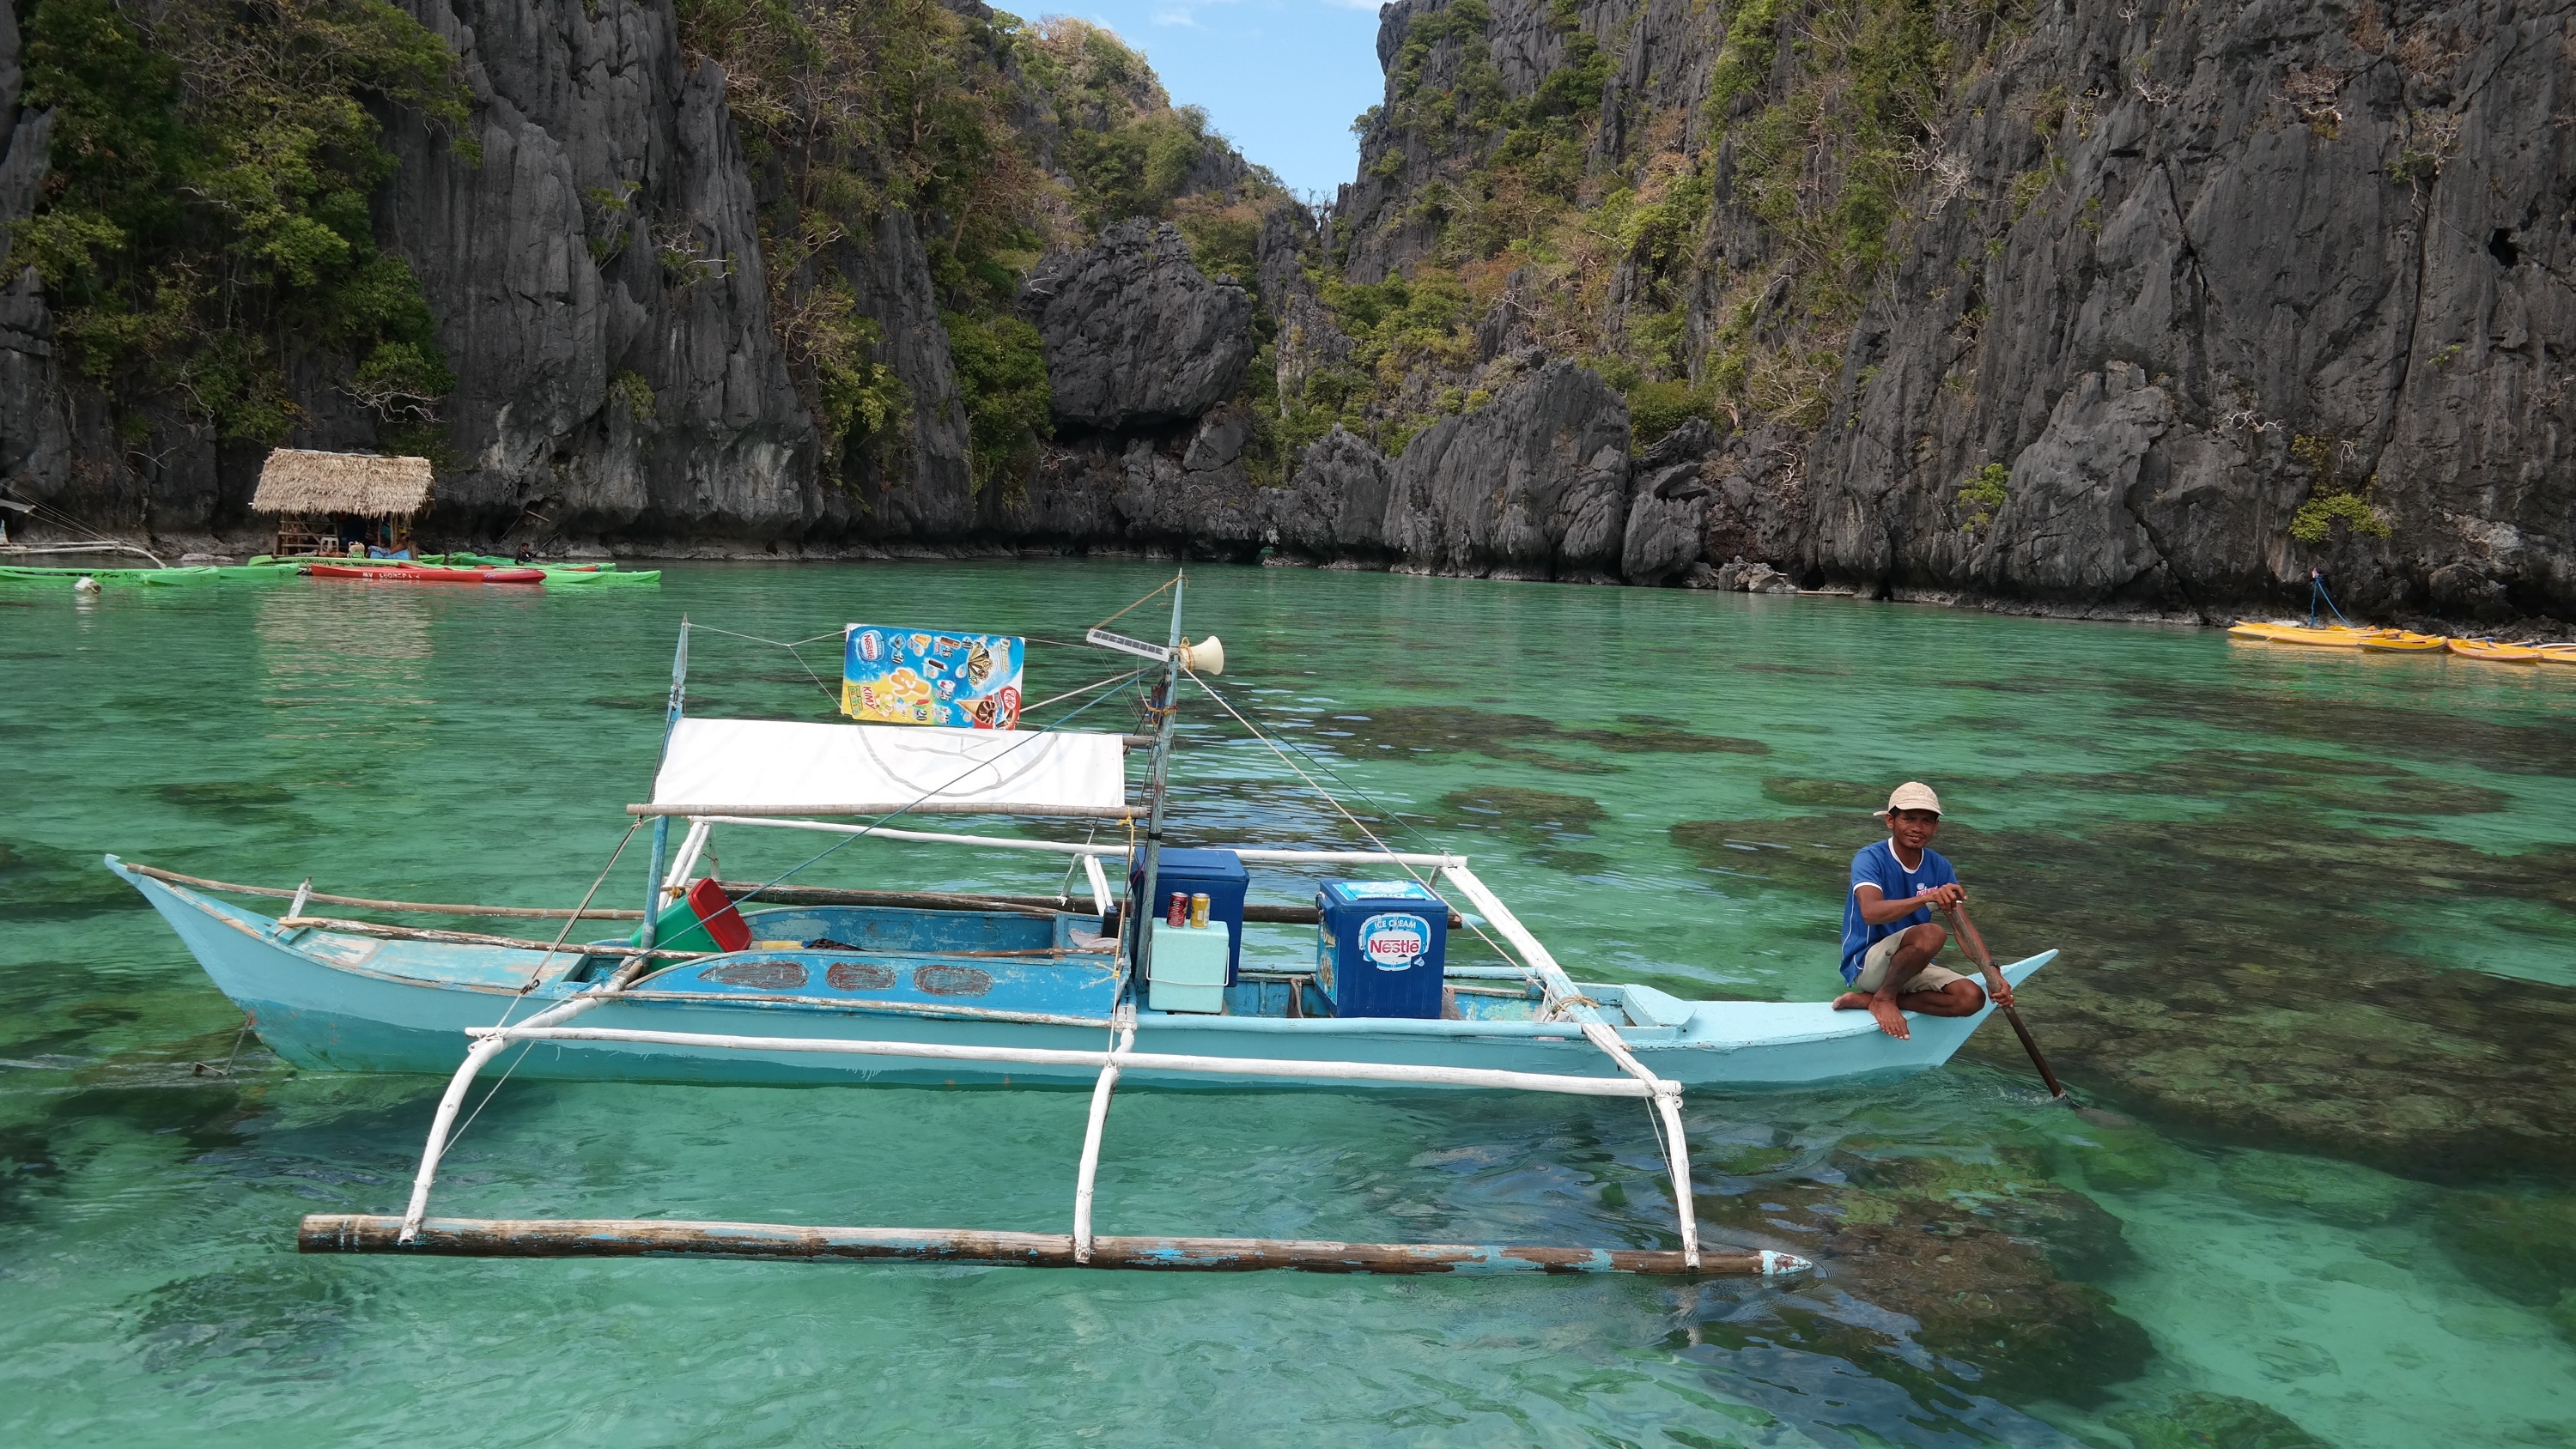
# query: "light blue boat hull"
336, 1002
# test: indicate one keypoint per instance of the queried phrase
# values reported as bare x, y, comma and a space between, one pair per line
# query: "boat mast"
662, 823
1167, 701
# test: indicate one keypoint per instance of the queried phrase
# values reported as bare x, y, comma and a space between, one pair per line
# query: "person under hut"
1889, 936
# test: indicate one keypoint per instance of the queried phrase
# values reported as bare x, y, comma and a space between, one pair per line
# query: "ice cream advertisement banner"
931, 677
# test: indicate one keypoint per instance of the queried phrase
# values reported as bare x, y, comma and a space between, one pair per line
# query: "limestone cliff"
600, 247
2127, 305
2083, 305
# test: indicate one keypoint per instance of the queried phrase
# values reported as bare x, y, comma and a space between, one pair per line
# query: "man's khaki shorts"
1873, 970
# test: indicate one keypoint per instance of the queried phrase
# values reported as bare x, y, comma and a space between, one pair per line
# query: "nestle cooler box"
1220, 873
1189, 967
1380, 947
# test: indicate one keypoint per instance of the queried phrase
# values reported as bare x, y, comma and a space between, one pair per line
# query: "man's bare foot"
1890, 1020
1852, 1001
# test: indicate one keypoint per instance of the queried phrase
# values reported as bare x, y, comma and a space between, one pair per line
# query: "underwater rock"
2123, 1161
2214, 1421
40, 882
26, 1159
1437, 730
286, 1315
1841, 794
2354, 1197
1450, 729
1545, 819
2521, 1248
1526, 811
1642, 734
1983, 1257
2375, 731
1786, 855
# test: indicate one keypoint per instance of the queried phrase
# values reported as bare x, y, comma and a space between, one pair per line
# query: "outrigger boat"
770, 983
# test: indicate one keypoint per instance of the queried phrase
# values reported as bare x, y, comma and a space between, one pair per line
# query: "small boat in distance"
421, 574
771, 982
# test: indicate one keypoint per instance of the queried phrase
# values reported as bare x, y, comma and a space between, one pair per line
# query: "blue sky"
1281, 78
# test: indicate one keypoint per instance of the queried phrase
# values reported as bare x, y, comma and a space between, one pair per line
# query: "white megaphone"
1205, 657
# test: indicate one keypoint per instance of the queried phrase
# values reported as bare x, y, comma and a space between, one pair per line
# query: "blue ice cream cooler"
1220, 873
1380, 946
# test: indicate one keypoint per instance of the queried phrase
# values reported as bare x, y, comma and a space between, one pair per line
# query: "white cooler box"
1189, 967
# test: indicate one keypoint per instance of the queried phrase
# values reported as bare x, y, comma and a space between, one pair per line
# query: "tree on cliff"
205, 230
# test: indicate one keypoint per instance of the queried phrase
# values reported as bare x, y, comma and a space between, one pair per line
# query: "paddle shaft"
1975, 946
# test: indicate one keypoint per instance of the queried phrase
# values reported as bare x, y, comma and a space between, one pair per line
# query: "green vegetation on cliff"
999, 138
848, 110
1604, 254
206, 226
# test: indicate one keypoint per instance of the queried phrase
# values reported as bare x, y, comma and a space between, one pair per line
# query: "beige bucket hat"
1912, 795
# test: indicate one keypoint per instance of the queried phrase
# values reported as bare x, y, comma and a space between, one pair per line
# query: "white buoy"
84, 585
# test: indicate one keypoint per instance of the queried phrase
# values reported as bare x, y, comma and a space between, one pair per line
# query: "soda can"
1199, 910
1178, 912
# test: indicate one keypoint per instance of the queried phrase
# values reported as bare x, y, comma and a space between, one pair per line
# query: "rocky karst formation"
2174, 271
1135, 335
2110, 305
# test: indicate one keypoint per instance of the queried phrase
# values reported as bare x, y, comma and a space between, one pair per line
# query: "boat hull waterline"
327, 1001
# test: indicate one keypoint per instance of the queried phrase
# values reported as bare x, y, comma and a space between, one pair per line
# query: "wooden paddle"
1975, 946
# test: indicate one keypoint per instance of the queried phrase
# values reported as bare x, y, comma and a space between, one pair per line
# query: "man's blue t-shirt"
1877, 865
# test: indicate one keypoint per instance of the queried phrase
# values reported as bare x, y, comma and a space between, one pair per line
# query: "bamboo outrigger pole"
664, 1238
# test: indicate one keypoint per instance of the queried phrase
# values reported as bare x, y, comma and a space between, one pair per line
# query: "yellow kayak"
2402, 641
2499, 653
2557, 653
2330, 636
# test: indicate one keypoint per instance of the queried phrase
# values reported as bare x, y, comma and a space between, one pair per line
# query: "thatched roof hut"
297, 481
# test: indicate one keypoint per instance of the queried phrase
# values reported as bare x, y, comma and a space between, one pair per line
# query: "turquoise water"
2319, 915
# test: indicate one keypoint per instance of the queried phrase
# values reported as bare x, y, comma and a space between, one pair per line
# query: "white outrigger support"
1091, 1133
327, 1233
1562, 997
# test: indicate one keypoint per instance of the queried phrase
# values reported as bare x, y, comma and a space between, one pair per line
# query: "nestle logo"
1392, 943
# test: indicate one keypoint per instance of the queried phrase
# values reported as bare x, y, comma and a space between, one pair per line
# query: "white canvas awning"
782, 767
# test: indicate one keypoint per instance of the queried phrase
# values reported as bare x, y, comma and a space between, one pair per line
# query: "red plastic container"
715, 912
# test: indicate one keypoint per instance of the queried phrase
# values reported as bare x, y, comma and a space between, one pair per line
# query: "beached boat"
2495, 653
773, 983
2328, 636
2402, 641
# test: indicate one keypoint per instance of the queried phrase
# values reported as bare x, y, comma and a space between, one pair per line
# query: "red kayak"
414, 574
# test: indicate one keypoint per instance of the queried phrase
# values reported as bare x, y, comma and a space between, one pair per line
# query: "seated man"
1889, 939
